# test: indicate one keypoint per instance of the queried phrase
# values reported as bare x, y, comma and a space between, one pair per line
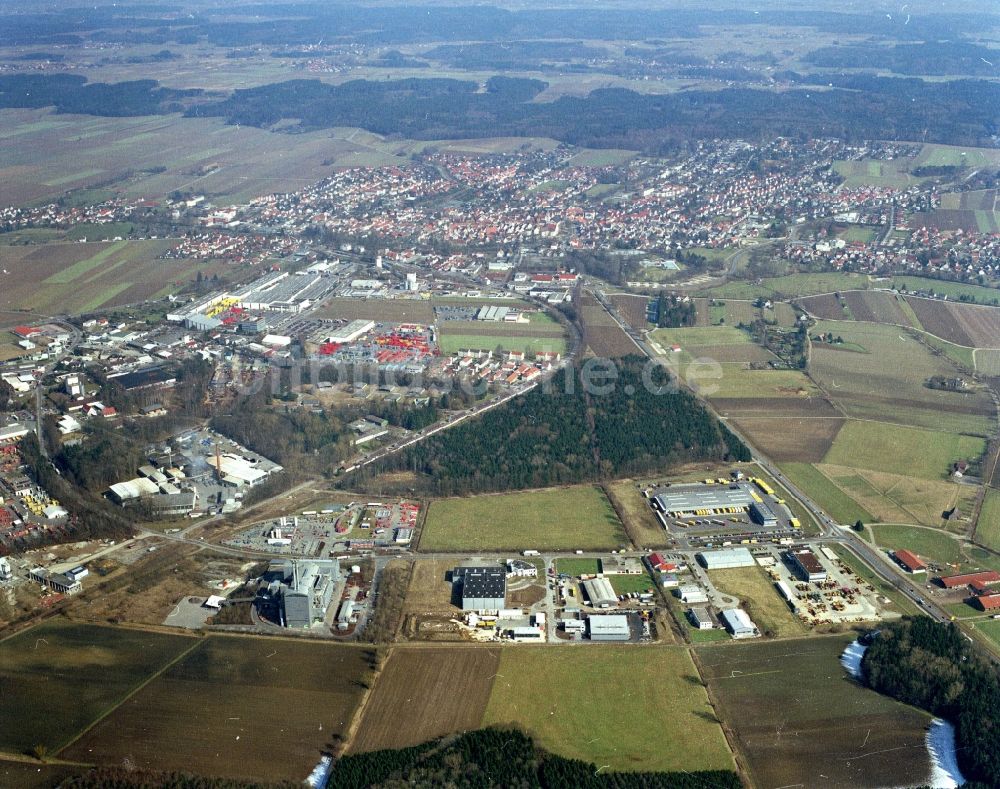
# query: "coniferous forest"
931, 665
568, 433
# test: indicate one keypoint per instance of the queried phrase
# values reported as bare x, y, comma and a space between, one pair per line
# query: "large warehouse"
807, 565
600, 592
726, 559
681, 501
609, 627
739, 624
483, 588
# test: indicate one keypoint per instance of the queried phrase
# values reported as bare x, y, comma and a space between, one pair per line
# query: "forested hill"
931, 665
569, 435
855, 108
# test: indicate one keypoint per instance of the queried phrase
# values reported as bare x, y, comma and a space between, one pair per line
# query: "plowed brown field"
423, 693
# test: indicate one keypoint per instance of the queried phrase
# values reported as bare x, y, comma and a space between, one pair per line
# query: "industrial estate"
503, 396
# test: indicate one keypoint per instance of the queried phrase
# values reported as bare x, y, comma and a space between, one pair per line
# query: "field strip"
197, 643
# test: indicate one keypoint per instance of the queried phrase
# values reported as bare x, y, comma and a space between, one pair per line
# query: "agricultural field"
988, 529
975, 294
227, 690
701, 345
30, 774
579, 517
632, 309
877, 306
818, 487
906, 451
453, 343
761, 601
796, 714
732, 381
971, 325
791, 286
931, 545
231, 163
540, 326
888, 380
602, 336
427, 692
63, 278
936, 155
875, 172
553, 694
891, 498
58, 678
986, 361
381, 310
430, 588
786, 429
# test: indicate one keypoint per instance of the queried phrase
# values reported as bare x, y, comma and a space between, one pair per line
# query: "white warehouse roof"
726, 558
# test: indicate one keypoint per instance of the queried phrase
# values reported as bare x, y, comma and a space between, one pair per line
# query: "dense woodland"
855, 107
501, 758
672, 312
562, 434
932, 666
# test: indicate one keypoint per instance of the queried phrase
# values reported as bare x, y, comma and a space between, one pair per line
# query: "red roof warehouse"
989, 602
953, 581
910, 562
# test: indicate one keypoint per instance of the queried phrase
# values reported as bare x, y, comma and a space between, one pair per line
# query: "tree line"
932, 666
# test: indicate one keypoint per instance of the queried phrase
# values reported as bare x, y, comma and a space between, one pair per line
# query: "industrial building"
681, 501
483, 588
351, 332
739, 624
700, 618
305, 590
56, 582
807, 565
147, 378
691, 593
609, 627
762, 514
600, 592
726, 559
239, 472
521, 569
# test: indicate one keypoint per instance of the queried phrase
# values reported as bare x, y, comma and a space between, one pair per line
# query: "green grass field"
571, 518
702, 336
859, 233
929, 544
828, 496
796, 716
58, 678
761, 600
957, 353
991, 629
453, 343
873, 172
954, 290
661, 718
625, 584
906, 451
988, 528
578, 567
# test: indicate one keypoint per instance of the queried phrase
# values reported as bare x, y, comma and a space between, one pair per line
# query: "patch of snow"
320, 775
851, 658
944, 761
